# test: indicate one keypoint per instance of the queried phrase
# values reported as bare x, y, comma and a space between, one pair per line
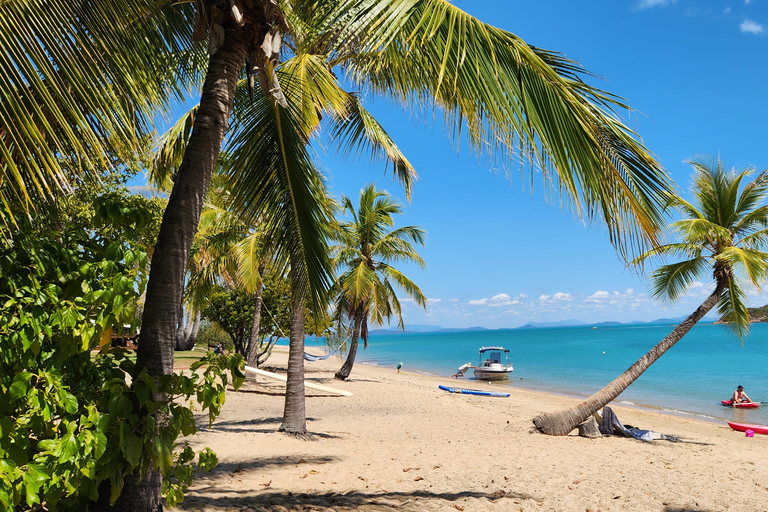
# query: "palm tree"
723, 232
368, 246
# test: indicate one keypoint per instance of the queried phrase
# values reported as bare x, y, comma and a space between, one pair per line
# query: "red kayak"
743, 427
744, 405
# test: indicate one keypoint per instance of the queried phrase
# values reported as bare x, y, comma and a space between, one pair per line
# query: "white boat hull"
501, 373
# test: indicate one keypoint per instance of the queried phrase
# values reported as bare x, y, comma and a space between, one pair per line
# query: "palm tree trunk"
192, 339
563, 422
346, 368
253, 343
295, 413
180, 338
166, 281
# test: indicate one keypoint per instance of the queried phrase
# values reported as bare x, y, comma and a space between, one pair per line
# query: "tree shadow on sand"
272, 501
269, 426
206, 482
686, 509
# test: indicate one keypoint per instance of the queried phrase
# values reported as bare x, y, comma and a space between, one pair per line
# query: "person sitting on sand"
740, 397
461, 371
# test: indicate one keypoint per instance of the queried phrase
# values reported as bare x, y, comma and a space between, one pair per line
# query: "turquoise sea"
690, 379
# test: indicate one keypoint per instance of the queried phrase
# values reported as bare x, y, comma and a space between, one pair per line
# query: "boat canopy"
494, 355
483, 349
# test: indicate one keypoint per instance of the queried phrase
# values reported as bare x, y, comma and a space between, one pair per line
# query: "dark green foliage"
233, 311
212, 334
71, 418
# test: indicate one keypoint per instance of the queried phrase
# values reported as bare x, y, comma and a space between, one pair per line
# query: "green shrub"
69, 419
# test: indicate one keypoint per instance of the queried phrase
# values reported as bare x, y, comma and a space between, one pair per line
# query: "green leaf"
117, 487
20, 385
99, 444
5, 500
120, 406
132, 448
207, 460
7, 466
70, 402
70, 448
186, 421
163, 450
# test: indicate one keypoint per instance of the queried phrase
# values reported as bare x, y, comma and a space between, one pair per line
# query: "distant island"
418, 328
756, 315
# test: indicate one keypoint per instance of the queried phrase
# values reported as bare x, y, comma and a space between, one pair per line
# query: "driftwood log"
589, 428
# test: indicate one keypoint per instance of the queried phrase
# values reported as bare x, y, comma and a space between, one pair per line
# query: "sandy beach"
400, 443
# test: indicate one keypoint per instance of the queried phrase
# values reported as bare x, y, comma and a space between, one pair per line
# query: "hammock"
312, 357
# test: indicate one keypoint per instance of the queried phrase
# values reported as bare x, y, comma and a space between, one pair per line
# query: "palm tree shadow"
270, 425
268, 501
685, 509
268, 392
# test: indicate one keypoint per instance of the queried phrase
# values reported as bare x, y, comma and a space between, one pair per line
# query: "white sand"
400, 443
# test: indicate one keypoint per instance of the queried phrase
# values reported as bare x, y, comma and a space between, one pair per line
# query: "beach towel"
611, 425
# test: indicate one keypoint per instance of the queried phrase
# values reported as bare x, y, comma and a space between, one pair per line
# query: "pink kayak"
744, 405
743, 427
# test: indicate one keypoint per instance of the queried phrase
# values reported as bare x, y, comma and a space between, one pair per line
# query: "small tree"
233, 311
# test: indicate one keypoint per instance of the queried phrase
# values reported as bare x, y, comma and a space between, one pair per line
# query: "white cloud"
433, 301
726, 10
646, 4
747, 2
556, 297
501, 299
751, 27
595, 297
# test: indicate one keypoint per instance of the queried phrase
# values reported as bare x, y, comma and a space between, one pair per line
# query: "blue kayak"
472, 391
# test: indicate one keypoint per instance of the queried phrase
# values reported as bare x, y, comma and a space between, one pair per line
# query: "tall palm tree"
368, 247
724, 233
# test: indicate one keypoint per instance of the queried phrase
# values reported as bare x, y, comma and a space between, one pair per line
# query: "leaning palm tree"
723, 232
368, 247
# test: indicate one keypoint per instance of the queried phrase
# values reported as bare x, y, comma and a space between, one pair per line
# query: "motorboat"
494, 364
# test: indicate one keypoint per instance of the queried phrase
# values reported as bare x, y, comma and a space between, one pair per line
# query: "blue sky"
499, 256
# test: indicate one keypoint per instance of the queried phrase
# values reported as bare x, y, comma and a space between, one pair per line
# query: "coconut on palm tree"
369, 245
721, 236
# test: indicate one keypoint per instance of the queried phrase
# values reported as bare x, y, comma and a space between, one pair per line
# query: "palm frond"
170, 150
516, 102
751, 265
83, 79
357, 132
670, 282
733, 310
273, 177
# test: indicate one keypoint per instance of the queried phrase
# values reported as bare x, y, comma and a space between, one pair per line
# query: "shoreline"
401, 443
573, 396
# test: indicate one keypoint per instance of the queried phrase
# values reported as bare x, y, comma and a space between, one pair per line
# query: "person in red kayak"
740, 397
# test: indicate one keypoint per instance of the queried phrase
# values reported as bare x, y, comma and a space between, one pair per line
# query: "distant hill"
562, 323
756, 315
464, 329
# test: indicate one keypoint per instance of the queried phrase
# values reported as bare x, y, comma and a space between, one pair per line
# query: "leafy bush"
211, 334
69, 418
